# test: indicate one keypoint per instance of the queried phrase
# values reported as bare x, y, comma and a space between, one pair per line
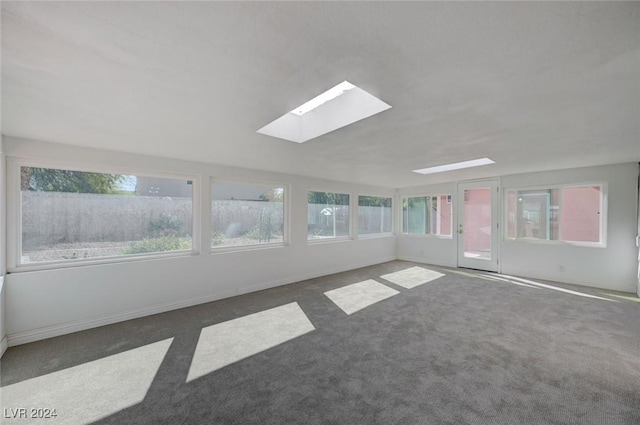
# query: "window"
374, 215
70, 215
570, 214
246, 214
327, 215
427, 215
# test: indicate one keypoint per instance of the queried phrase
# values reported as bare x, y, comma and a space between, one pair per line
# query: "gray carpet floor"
462, 348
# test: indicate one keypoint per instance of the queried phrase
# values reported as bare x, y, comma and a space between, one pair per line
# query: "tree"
52, 180
325, 198
275, 194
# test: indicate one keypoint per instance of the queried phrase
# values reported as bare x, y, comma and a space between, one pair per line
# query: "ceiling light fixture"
323, 98
455, 166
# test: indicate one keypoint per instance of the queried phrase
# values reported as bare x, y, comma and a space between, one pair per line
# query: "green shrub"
263, 233
159, 244
165, 225
217, 238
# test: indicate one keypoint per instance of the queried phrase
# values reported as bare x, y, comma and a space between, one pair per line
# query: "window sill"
244, 248
376, 235
320, 241
419, 235
556, 243
55, 265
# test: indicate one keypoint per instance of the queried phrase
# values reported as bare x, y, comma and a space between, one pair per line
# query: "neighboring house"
153, 186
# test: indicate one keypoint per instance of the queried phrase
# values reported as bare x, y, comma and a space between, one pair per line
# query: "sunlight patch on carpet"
412, 277
225, 343
355, 297
556, 288
91, 391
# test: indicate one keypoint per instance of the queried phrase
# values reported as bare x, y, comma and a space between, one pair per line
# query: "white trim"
423, 235
319, 241
243, 248
80, 325
375, 235
53, 265
428, 261
4, 344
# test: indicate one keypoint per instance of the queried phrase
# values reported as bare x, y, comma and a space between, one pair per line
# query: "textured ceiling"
534, 86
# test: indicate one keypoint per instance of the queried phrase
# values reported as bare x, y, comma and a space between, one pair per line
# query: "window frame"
449, 196
14, 214
286, 210
350, 221
357, 218
604, 203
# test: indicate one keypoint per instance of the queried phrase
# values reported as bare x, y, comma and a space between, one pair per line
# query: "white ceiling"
534, 86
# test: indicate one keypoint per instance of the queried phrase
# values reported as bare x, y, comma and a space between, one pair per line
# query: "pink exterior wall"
445, 216
511, 214
580, 214
477, 220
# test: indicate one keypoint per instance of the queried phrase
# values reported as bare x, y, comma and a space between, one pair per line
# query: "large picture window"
69, 215
246, 214
328, 215
374, 215
570, 214
427, 215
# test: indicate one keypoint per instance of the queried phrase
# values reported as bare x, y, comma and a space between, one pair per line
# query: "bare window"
571, 214
76, 215
427, 215
246, 214
328, 215
374, 215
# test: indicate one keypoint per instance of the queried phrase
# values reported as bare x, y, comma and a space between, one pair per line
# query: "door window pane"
477, 223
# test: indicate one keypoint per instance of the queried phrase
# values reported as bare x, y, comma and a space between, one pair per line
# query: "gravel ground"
72, 251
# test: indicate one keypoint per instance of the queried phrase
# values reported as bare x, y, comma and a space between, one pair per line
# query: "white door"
477, 230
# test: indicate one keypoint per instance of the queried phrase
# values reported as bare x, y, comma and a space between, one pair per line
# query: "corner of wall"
3, 334
3, 330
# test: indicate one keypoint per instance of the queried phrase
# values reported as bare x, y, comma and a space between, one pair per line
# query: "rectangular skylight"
323, 98
338, 107
455, 166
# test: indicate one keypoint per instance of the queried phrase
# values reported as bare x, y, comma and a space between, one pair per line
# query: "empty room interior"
320, 212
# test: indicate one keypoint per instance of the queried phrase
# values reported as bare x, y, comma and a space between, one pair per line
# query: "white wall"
613, 266
46, 303
3, 330
429, 249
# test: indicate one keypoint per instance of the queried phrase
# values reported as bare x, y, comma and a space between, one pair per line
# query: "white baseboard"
81, 325
428, 261
564, 278
4, 344
308, 276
